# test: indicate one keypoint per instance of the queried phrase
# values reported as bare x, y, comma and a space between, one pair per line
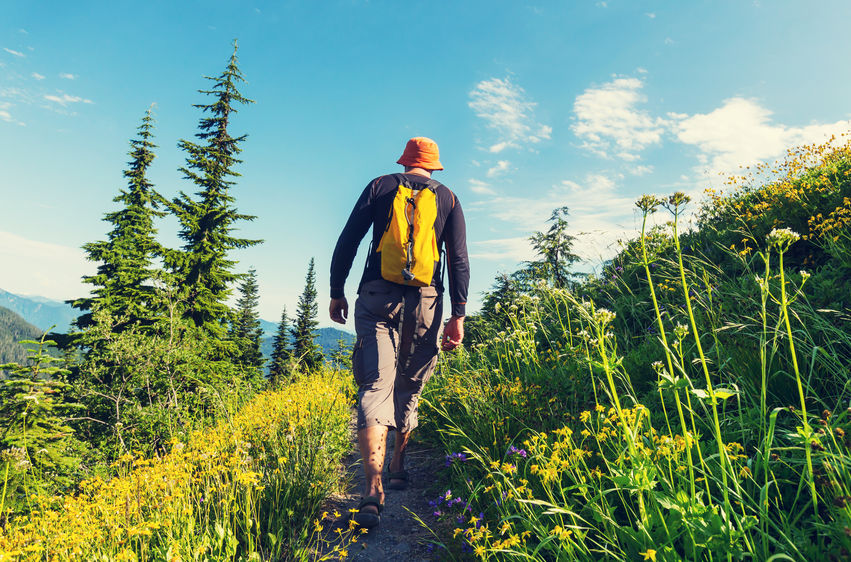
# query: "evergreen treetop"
246, 330
122, 283
307, 352
203, 271
555, 249
282, 353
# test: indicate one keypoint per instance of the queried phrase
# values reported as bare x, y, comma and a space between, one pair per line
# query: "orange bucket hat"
421, 152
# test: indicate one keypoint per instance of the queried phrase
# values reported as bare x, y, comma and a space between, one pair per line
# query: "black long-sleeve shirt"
373, 208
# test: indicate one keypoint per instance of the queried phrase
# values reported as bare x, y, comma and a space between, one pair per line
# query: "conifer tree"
122, 284
282, 353
305, 349
33, 407
202, 269
246, 330
555, 249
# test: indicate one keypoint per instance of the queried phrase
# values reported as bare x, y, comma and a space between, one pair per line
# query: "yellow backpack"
408, 246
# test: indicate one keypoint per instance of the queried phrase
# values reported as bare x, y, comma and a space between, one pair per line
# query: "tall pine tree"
203, 271
305, 349
282, 353
246, 330
122, 284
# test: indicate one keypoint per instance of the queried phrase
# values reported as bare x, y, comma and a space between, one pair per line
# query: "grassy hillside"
688, 403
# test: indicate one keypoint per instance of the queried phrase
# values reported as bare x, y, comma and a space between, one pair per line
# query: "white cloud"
6, 115
37, 76
502, 249
669, 41
480, 187
650, 15
601, 225
741, 133
504, 107
610, 123
24, 271
65, 99
641, 170
15, 53
501, 167
67, 76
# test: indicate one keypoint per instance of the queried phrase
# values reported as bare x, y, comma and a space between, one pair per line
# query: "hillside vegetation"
14, 329
688, 403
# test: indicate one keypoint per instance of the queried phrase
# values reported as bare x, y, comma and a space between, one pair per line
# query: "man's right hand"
339, 310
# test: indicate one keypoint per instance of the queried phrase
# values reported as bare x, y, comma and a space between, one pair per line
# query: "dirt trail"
399, 537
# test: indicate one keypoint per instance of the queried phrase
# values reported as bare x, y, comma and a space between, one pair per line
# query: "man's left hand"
339, 310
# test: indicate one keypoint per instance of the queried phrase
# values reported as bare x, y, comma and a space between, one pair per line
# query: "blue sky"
535, 105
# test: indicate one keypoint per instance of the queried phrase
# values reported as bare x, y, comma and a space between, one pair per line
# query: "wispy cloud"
480, 187
501, 167
505, 108
650, 15
37, 76
610, 123
641, 170
67, 76
15, 53
514, 250
66, 99
6, 115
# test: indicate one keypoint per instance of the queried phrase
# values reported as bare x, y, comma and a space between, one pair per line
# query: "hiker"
398, 313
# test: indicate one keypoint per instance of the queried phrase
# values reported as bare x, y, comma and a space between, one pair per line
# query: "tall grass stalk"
676, 202
648, 205
784, 238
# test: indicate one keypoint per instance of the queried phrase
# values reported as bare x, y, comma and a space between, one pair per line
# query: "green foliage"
202, 269
38, 449
143, 388
306, 351
245, 329
123, 286
282, 360
341, 358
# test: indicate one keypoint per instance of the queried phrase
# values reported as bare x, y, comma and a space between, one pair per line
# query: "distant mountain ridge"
39, 311
43, 313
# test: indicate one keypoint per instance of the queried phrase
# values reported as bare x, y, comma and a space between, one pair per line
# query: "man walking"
398, 312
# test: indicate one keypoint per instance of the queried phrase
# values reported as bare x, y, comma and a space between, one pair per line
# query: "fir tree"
202, 269
122, 285
307, 352
555, 249
282, 353
246, 330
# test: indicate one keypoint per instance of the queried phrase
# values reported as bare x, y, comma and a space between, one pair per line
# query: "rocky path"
399, 537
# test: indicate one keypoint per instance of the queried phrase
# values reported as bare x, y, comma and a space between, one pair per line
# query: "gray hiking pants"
396, 350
